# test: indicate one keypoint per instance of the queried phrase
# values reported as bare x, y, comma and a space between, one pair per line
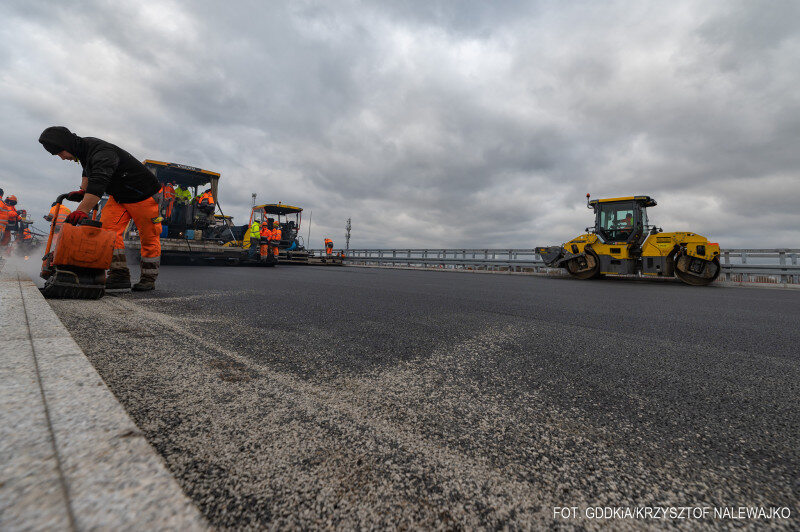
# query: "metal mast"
347, 234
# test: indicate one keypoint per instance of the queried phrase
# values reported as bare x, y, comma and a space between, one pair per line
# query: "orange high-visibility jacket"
11, 213
167, 192
63, 212
5, 211
276, 234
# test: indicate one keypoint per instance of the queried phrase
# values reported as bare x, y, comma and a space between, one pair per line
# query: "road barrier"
738, 265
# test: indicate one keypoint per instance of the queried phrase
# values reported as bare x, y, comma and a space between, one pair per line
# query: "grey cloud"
430, 123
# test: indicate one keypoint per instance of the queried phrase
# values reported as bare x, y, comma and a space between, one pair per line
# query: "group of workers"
174, 199
265, 237
13, 221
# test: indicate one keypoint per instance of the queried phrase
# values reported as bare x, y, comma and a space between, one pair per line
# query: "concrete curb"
70, 457
728, 284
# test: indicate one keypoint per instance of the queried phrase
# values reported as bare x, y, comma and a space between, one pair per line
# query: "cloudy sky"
431, 124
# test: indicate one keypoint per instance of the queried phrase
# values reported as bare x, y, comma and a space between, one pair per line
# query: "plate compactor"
623, 243
76, 268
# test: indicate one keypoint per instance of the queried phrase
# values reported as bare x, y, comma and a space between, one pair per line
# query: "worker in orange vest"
63, 212
205, 202
266, 232
4, 212
275, 238
270, 238
9, 218
167, 200
328, 247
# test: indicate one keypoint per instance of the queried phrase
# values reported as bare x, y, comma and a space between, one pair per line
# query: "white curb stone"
70, 457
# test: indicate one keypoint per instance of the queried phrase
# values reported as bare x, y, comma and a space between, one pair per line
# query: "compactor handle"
59, 201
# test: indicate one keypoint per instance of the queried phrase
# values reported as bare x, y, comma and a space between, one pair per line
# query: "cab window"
616, 221
613, 218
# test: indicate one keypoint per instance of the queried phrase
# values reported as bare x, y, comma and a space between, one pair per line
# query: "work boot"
119, 276
149, 274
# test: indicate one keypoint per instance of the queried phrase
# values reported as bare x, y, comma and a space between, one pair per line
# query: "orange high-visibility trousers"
115, 217
266, 250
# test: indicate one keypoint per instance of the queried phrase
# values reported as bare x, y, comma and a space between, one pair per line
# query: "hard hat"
276, 223
11, 200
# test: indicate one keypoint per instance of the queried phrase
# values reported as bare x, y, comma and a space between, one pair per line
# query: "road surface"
313, 396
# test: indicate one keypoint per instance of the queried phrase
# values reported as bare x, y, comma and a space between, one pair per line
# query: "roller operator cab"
622, 242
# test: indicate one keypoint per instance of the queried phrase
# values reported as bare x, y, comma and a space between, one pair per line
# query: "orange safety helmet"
11, 200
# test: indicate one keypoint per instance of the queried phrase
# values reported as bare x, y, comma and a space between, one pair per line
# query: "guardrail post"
745, 276
795, 278
782, 262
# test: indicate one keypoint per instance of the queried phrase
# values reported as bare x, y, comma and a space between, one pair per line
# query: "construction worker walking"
112, 170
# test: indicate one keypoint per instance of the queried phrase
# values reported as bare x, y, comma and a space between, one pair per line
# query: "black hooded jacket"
109, 169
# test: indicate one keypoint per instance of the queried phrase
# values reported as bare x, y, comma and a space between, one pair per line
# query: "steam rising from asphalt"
31, 266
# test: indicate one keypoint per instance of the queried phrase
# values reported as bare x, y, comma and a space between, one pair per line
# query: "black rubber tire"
590, 273
695, 280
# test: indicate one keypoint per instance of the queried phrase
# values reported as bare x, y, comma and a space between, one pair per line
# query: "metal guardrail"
738, 265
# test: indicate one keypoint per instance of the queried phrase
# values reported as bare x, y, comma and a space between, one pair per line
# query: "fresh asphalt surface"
313, 396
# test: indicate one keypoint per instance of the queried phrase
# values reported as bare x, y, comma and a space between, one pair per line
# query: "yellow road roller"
622, 242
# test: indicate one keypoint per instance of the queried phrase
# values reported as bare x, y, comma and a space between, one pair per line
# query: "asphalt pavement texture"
379, 398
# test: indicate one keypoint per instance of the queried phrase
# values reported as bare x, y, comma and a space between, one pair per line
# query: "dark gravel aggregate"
377, 398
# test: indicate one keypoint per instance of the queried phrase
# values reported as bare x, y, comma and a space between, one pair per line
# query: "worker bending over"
205, 203
328, 247
110, 169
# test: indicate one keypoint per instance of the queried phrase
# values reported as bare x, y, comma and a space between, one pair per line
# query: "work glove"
75, 217
75, 195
